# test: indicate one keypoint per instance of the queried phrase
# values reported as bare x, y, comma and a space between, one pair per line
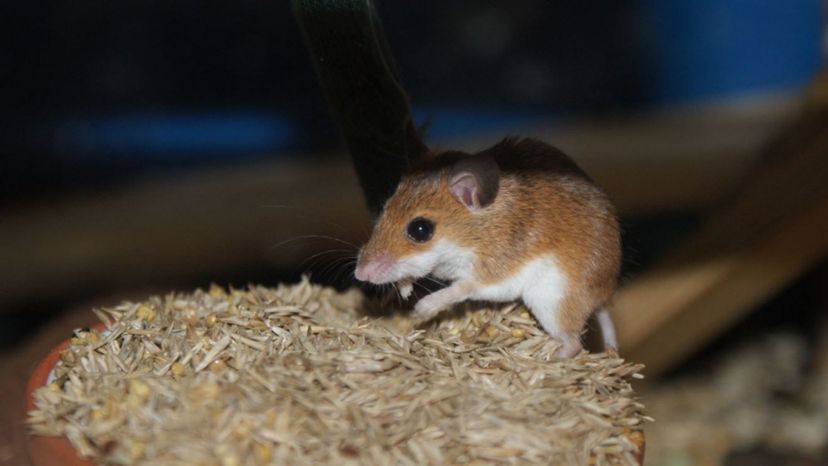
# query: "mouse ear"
474, 181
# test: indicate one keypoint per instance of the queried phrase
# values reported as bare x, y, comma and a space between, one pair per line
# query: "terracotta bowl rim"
43, 450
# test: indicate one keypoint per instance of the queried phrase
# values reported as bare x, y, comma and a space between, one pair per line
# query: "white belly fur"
540, 284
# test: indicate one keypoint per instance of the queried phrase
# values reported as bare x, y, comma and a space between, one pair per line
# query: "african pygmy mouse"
516, 221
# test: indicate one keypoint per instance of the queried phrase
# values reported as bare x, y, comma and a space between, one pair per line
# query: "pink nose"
372, 269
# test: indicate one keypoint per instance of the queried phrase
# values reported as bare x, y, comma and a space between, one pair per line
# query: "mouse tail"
607, 329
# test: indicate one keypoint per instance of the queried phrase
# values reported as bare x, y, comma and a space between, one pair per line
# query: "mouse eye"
420, 230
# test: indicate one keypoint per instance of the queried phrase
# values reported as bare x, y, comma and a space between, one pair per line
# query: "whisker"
323, 253
398, 294
325, 237
417, 283
435, 281
335, 264
341, 269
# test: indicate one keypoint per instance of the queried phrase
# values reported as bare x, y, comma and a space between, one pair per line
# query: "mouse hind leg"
607, 326
560, 313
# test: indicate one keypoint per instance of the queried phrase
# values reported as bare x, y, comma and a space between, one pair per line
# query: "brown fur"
544, 204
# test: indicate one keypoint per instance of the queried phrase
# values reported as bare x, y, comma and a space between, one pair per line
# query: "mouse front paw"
427, 307
406, 288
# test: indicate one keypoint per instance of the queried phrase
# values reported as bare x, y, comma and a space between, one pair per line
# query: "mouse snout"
373, 268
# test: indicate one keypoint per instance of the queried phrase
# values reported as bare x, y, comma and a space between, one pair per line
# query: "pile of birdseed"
299, 375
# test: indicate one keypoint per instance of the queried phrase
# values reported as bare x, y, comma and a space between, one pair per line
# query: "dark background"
93, 92
98, 95
123, 124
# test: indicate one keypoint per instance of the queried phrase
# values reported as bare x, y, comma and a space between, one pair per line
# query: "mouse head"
425, 224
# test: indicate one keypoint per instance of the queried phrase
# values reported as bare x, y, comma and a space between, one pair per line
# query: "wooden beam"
770, 231
219, 220
669, 313
666, 160
188, 226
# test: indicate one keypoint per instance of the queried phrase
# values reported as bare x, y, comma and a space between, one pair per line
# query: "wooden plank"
215, 221
196, 225
688, 306
670, 159
771, 230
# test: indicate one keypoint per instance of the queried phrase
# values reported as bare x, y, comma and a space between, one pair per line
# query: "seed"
216, 291
208, 391
136, 450
96, 414
68, 356
145, 313
241, 432
262, 452
177, 369
139, 388
230, 459
190, 316
270, 416
218, 366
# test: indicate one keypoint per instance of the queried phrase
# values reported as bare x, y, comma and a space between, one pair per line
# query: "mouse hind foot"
570, 346
607, 327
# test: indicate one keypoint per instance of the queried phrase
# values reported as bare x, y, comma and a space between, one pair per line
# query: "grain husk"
299, 374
